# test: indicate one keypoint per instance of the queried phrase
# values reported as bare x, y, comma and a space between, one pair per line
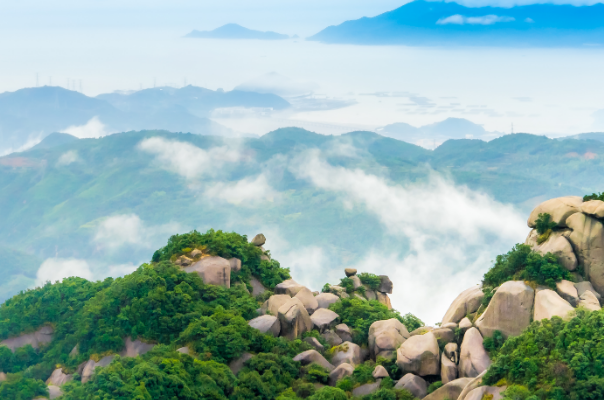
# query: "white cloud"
248, 191
55, 269
130, 230
92, 129
452, 232
187, 160
69, 157
483, 20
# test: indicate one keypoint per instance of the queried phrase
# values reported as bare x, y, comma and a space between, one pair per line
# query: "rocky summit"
213, 316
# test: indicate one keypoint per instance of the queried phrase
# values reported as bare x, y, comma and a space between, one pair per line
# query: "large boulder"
257, 286
350, 272
466, 303
59, 378
473, 358
568, 291
324, 319
212, 270
341, 371
384, 299
275, 302
266, 324
414, 384
343, 331
36, 339
379, 372
558, 245
549, 304
587, 238
593, 208
473, 384
419, 355
366, 389
385, 285
589, 301
313, 356
465, 324
452, 352
324, 300
290, 287
331, 338
509, 311
448, 370
314, 343
347, 352
444, 335
385, 337
450, 391
258, 240
585, 286
235, 264
135, 348
308, 299
559, 209
486, 392
294, 319
89, 367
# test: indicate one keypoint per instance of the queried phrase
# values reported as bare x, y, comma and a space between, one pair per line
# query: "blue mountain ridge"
234, 31
438, 23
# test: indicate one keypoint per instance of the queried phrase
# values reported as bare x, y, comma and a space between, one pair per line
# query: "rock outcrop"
308, 299
324, 300
379, 372
414, 384
568, 291
36, 339
258, 240
589, 301
313, 356
266, 324
289, 287
559, 209
473, 358
324, 319
450, 391
448, 370
549, 304
347, 352
87, 369
486, 392
59, 378
587, 238
558, 245
315, 343
385, 337
366, 389
509, 311
343, 331
419, 355
212, 270
294, 319
275, 302
134, 348
341, 371
465, 304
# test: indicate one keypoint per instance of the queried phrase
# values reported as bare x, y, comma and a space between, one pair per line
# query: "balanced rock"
385, 337
449, 391
36, 339
385, 284
258, 240
324, 319
559, 209
557, 244
308, 299
509, 311
59, 378
473, 358
419, 355
290, 287
275, 302
448, 370
347, 352
324, 300
350, 272
466, 303
379, 372
343, 331
213, 271
593, 208
568, 291
341, 371
294, 319
314, 343
266, 324
313, 356
589, 301
587, 238
414, 384
549, 304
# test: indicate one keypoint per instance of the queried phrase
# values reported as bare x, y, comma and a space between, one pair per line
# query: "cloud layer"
483, 20
130, 230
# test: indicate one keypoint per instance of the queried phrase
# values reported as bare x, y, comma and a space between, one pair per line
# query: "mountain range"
446, 23
235, 31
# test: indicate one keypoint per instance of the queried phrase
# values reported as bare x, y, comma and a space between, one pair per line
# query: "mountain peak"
235, 31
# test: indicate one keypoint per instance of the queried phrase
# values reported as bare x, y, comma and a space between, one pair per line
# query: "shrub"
329, 393
371, 280
434, 386
347, 284
594, 196
494, 343
544, 223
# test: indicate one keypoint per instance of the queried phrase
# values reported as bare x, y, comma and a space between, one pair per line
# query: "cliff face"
213, 316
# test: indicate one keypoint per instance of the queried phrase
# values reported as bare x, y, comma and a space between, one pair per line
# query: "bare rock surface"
584, 286
289, 287
331, 338
40, 337
347, 352
465, 324
294, 319
324, 300
593, 208
419, 355
134, 348
235, 264
509, 311
473, 384
473, 358
274, 302
451, 351
266, 324
343, 331
568, 291
212, 270
385, 284
385, 337
258, 240
341, 371
466, 303
91, 365
308, 299
549, 304
54, 392
315, 343
59, 378
482, 392
448, 370
557, 244
313, 356
450, 391
589, 301
414, 384
324, 319
444, 335
559, 210
587, 238
379, 372
384, 299
257, 286
366, 389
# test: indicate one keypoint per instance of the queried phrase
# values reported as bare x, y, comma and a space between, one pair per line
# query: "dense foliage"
554, 359
371, 280
521, 263
594, 196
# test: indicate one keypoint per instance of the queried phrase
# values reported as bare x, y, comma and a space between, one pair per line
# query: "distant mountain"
234, 31
431, 136
28, 115
439, 23
599, 136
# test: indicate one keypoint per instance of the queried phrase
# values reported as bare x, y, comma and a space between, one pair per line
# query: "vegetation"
371, 280
594, 196
553, 359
